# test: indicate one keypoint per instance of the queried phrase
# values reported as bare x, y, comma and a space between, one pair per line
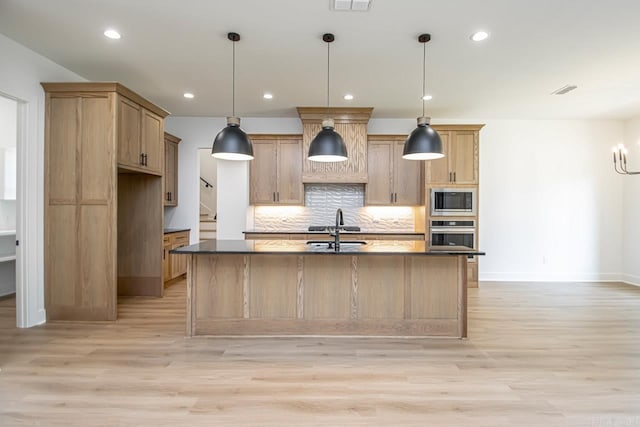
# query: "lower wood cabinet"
174, 265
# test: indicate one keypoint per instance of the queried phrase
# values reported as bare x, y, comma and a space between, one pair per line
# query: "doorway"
8, 193
208, 194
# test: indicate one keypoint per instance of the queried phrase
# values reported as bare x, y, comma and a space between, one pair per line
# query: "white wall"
233, 177
631, 248
550, 202
21, 71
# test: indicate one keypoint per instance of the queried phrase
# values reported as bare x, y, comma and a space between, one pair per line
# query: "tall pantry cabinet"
104, 150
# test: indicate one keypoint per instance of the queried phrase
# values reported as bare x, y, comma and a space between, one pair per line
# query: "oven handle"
453, 230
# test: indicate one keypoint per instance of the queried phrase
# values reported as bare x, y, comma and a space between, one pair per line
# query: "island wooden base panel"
391, 327
403, 295
538, 354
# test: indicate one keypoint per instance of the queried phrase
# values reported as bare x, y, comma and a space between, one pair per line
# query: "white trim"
631, 279
549, 277
29, 176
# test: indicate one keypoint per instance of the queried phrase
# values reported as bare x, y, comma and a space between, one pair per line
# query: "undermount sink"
330, 243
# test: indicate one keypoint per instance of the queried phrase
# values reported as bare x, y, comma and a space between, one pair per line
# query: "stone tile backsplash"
321, 203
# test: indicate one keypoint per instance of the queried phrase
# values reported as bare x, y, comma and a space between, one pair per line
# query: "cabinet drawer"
180, 238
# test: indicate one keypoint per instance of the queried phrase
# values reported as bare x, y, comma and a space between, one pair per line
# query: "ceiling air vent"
564, 89
351, 5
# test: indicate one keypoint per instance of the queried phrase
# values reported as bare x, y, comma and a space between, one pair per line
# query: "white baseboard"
549, 277
631, 279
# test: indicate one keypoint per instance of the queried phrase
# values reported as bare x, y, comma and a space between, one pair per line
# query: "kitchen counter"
300, 247
390, 233
175, 230
325, 234
287, 287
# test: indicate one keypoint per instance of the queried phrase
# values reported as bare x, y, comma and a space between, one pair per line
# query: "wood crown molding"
445, 127
172, 138
104, 87
338, 114
274, 136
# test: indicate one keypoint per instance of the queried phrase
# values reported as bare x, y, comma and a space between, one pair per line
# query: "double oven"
451, 224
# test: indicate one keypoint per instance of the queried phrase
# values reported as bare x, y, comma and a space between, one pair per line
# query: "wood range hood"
351, 124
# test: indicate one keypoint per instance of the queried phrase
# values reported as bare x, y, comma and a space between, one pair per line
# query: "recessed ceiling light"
112, 34
479, 36
427, 98
267, 95
188, 95
348, 97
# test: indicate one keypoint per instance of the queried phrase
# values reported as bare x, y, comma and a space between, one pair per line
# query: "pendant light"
328, 145
232, 143
424, 142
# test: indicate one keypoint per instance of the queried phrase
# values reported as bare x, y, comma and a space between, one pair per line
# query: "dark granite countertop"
391, 233
175, 230
298, 247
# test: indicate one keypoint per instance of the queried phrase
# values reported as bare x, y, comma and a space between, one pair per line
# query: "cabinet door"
437, 171
289, 190
263, 173
463, 157
152, 145
170, 174
80, 247
407, 179
166, 263
129, 116
379, 167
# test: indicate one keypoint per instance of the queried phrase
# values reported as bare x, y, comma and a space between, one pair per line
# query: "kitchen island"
290, 287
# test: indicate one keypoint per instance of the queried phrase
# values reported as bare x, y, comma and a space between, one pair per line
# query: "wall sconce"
621, 151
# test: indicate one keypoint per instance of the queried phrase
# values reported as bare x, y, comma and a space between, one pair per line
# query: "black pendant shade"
423, 143
328, 145
232, 143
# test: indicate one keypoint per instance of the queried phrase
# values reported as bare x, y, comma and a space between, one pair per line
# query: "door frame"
25, 214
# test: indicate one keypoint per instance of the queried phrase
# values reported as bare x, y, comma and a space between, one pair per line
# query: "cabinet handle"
170, 196
166, 196
391, 198
395, 197
142, 159
454, 177
278, 195
450, 177
274, 196
146, 159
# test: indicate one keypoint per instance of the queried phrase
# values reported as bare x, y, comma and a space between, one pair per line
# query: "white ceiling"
169, 47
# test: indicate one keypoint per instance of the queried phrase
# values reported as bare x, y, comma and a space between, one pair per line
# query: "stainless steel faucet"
339, 223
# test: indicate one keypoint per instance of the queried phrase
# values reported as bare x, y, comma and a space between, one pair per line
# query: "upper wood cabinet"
102, 222
351, 124
276, 170
140, 137
461, 150
171, 169
392, 179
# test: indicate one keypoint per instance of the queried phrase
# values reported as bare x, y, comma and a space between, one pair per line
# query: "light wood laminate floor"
552, 354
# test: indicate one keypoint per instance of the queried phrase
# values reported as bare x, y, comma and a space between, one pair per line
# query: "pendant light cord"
328, 59
233, 82
424, 73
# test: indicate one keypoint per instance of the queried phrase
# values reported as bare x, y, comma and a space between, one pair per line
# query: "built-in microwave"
453, 202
